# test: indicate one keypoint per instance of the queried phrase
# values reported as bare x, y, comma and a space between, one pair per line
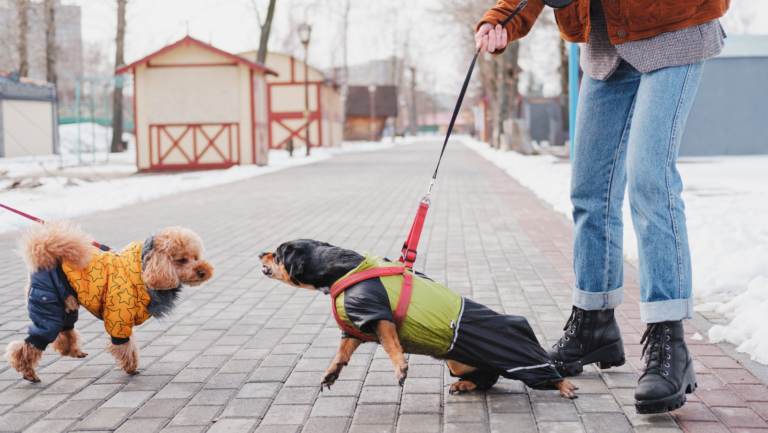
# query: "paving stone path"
243, 353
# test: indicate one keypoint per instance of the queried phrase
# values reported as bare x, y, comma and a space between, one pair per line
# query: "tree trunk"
413, 127
506, 92
50, 41
117, 117
22, 9
265, 33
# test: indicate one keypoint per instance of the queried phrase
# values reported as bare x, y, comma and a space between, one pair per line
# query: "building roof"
359, 101
188, 40
745, 46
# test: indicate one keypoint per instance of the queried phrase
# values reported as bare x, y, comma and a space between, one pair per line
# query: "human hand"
489, 38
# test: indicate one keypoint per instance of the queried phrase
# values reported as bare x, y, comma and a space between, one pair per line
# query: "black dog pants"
47, 293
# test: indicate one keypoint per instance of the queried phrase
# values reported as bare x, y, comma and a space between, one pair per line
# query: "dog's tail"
43, 246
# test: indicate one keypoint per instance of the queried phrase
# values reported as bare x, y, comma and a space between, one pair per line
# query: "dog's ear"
293, 259
159, 273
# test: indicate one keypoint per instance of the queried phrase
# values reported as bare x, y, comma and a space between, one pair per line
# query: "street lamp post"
372, 92
305, 31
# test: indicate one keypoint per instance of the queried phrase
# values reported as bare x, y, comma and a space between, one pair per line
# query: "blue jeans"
628, 131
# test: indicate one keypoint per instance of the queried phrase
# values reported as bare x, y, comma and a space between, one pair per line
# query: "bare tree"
50, 40
117, 117
413, 127
265, 28
22, 11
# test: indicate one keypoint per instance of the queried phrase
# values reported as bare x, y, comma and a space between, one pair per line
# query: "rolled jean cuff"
666, 311
592, 301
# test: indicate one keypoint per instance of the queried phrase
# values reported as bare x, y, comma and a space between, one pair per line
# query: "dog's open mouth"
266, 271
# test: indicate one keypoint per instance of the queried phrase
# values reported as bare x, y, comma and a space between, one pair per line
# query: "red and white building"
286, 104
198, 107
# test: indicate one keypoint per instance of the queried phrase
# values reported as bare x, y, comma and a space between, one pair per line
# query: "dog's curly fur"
126, 355
44, 246
68, 344
175, 259
24, 358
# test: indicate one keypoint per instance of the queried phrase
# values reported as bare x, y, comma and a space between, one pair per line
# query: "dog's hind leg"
68, 341
68, 344
566, 389
343, 354
24, 357
387, 333
459, 369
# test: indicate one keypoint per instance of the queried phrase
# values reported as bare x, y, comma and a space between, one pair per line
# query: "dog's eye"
182, 261
277, 260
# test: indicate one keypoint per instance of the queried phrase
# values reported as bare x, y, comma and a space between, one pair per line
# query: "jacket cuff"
37, 342
118, 341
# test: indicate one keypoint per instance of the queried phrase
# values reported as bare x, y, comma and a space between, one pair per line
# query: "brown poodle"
124, 290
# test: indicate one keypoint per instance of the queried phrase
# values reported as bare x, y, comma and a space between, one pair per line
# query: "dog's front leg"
346, 348
126, 355
387, 332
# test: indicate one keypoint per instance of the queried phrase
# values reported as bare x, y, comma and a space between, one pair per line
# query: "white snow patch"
62, 198
697, 336
726, 200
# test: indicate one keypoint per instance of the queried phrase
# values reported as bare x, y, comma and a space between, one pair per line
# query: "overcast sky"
376, 31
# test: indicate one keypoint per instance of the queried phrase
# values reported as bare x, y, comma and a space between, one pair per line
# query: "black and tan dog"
478, 344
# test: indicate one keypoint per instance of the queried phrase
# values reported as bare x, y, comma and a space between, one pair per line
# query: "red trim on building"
253, 119
193, 162
187, 40
186, 65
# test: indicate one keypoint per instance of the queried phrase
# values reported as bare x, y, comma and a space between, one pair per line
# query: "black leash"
461, 99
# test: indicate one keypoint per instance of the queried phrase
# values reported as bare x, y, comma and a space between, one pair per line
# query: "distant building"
730, 113
438, 123
286, 105
198, 107
359, 124
28, 126
69, 62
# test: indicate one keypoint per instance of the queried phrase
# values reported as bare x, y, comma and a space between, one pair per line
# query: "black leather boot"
590, 336
668, 373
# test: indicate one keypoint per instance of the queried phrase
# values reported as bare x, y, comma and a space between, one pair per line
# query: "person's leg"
663, 102
598, 181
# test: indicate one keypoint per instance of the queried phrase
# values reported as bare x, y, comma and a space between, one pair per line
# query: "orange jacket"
628, 20
112, 289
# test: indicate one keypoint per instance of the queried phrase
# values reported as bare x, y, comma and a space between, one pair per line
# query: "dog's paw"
131, 371
331, 375
31, 376
567, 389
79, 354
462, 386
401, 373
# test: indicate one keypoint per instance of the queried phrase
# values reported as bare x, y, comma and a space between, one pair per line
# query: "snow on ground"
64, 195
726, 200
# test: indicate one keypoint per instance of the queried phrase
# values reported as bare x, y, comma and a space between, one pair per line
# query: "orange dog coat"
111, 288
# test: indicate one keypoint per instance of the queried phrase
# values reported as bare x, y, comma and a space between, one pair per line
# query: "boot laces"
655, 348
572, 326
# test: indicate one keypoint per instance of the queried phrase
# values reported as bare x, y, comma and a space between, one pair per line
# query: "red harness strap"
402, 304
408, 256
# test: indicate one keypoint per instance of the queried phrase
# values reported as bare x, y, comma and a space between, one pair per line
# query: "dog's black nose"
201, 274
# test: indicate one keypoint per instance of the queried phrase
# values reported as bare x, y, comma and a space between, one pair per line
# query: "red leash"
38, 220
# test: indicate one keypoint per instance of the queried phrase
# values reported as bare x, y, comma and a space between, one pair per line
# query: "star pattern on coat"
111, 287
96, 274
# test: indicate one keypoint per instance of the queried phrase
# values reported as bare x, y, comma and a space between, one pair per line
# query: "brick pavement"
243, 353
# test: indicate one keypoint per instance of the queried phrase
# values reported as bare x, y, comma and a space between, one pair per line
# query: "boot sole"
609, 356
675, 401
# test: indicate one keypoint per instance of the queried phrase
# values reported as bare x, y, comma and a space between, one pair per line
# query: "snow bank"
60, 197
726, 201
